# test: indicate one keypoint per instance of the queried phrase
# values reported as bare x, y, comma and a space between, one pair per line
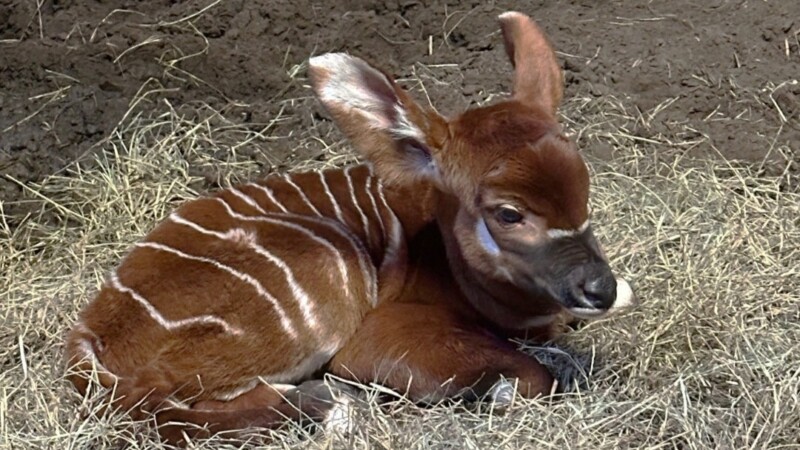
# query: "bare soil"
723, 71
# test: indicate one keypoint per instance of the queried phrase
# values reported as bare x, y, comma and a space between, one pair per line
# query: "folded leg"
265, 406
429, 353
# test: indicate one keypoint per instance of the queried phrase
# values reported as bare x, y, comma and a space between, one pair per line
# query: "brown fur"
443, 308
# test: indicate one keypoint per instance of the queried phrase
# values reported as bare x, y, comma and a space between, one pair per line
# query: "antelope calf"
411, 270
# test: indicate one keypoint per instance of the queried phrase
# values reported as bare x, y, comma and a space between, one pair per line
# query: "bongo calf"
411, 270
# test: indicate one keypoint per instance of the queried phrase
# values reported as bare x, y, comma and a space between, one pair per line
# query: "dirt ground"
722, 71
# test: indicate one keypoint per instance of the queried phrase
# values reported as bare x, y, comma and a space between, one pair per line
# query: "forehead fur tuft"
551, 177
502, 127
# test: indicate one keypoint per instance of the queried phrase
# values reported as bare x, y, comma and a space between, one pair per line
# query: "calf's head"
513, 190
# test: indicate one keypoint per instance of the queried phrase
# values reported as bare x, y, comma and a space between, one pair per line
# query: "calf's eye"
509, 215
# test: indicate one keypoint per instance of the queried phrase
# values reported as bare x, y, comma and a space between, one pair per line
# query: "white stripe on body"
232, 394
247, 199
361, 214
305, 367
285, 381
396, 236
303, 195
328, 192
167, 323
266, 190
284, 319
364, 260
340, 264
299, 293
374, 204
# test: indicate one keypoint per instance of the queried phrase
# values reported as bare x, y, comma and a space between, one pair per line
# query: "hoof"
329, 403
501, 394
571, 370
340, 418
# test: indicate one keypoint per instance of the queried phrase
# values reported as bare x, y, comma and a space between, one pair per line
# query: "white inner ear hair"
404, 128
354, 84
556, 233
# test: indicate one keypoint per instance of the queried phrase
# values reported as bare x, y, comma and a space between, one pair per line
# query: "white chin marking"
588, 313
558, 233
625, 299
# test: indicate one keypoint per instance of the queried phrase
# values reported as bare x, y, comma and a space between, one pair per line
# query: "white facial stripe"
284, 319
299, 293
556, 233
486, 239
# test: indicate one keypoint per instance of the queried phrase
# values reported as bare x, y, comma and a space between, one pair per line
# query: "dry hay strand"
710, 359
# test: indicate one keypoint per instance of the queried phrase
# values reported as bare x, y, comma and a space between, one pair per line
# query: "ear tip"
509, 16
327, 60
322, 67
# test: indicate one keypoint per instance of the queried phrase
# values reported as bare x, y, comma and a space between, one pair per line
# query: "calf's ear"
538, 80
400, 138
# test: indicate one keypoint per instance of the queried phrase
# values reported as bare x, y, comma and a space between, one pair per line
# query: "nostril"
600, 292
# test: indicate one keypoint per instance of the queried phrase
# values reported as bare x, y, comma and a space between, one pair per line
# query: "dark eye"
508, 214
